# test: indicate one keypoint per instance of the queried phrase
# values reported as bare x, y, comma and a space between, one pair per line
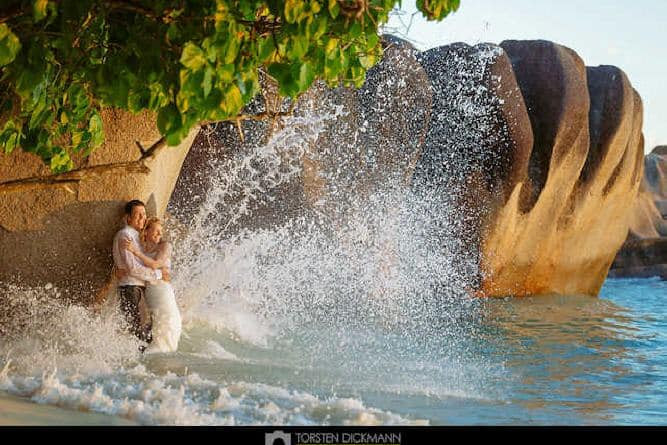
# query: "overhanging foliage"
190, 61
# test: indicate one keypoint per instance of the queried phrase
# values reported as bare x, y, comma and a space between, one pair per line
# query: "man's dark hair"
132, 204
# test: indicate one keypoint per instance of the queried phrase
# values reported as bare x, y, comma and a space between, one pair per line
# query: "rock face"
545, 155
560, 228
537, 155
376, 138
655, 177
478, 140
644, 253
58, 229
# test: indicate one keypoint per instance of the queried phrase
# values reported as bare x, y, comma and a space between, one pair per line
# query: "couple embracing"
143, 265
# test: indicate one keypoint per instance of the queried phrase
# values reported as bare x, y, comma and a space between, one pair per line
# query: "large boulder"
534, 155
655, 168
477, 145
560, 229
538, 156
543, 155
644, 252
346, 142
58, 229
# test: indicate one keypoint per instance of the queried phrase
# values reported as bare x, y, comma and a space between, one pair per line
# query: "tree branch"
73, 177
11, 13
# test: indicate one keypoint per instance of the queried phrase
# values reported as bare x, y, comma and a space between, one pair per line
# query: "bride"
160, 296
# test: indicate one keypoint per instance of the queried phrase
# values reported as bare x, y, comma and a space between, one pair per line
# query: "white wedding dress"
161, 302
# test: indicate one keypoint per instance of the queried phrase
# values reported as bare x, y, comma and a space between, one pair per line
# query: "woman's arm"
148, 261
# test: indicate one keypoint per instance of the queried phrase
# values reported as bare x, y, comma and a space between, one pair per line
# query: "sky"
631, 35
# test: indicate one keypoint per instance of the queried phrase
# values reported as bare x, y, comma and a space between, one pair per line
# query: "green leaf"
11, 142
60, 161
282, 72
306, 75
158, 96
226, 73
266, 49
173, 32
39, 9
292, 10
372, 40
231, 101
232, 50
39, 114
192, 56
334, 9
279, 71
207, 84
81, 140
299, 47
9, 45
9, 137
138, 100
168, 119
96, 129
367, 60
319, 26
332, 49
355, 30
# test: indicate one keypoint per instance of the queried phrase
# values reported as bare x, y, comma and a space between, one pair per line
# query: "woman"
160, 296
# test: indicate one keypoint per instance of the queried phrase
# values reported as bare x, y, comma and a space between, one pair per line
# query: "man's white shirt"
138, 274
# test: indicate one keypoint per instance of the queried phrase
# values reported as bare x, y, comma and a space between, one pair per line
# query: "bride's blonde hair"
150, 222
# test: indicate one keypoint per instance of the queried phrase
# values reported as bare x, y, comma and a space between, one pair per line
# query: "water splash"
368, 283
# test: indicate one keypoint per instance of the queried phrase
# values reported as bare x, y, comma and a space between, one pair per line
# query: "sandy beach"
22, 412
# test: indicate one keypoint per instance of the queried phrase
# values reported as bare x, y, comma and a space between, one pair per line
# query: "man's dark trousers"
130, 298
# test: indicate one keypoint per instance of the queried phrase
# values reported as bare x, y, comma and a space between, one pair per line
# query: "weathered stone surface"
215, 173
655, 167
559, 231
375, 140
58, 229
478, 141
378, 141
643, 254
479, 125
538, 154
641, 258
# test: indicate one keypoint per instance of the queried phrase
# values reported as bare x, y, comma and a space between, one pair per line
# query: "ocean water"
550, 360
354, 314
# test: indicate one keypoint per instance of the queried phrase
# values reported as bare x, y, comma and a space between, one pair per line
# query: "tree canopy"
190, 61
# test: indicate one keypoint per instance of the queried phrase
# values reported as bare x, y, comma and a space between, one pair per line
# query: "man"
132, 274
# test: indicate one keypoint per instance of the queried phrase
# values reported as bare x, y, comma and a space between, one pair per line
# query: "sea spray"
365, 289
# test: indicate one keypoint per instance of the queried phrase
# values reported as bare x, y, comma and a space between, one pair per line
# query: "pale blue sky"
629, 34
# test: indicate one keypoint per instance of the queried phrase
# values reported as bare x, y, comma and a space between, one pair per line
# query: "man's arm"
134, 268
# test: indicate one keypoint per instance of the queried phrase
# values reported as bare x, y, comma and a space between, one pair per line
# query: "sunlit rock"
59, 229
644, 253
560, 229
345, 143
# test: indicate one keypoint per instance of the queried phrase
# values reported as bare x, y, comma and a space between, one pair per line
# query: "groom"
131, 272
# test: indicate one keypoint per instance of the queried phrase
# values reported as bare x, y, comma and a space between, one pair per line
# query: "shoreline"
19, 411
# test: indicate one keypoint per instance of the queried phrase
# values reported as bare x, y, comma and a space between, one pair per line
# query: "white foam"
213, 349
191, 400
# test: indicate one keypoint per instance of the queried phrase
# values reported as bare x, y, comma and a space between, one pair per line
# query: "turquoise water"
587, 361
542, 360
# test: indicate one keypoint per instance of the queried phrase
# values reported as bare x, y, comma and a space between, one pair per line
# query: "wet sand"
18, 411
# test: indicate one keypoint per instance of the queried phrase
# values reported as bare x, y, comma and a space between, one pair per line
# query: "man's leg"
130, 297
145, 319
